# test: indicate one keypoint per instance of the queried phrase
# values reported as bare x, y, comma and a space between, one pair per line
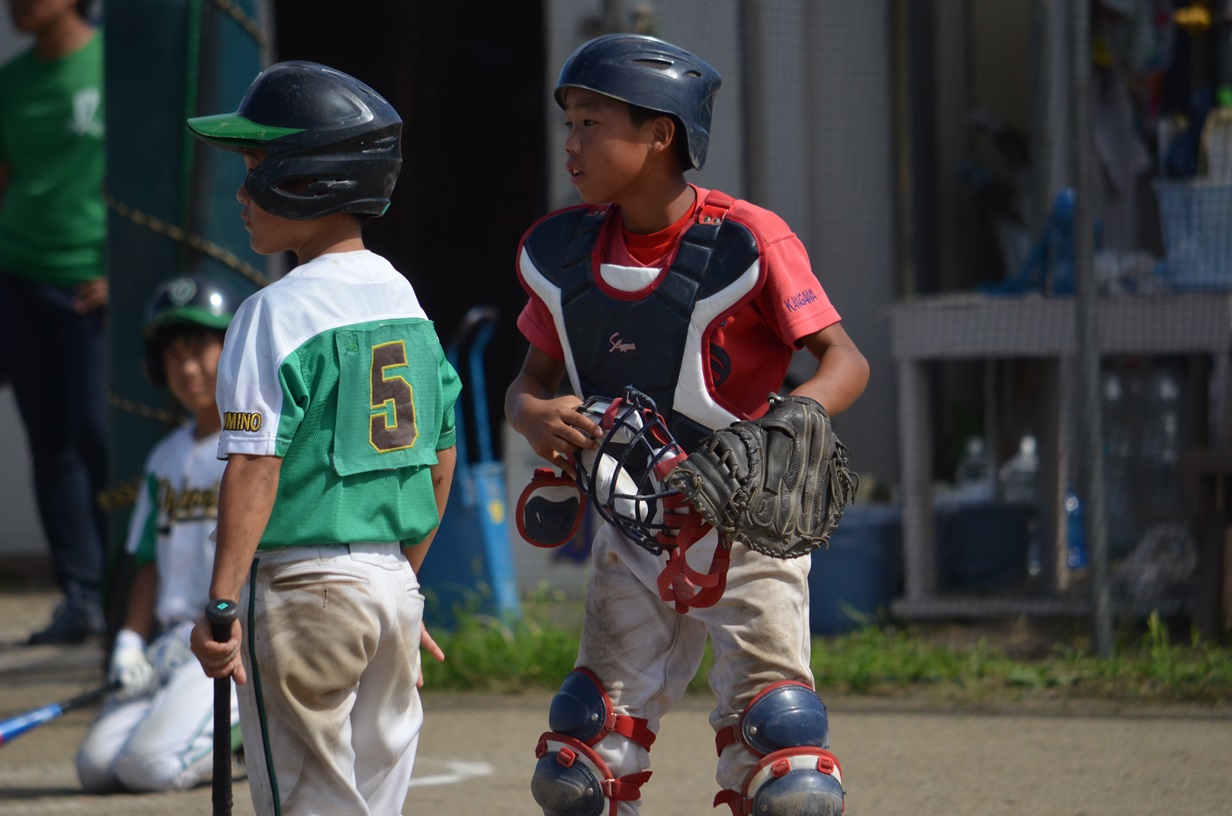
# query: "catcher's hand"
778, 484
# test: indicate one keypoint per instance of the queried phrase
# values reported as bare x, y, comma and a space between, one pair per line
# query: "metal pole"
754, 165
613, 16
1090, 425
905, 277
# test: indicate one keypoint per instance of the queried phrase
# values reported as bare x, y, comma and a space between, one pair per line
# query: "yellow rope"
246, 22
158, 414
175, 233
120, 496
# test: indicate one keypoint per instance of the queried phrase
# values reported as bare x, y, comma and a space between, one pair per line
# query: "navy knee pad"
787, 728
570, 779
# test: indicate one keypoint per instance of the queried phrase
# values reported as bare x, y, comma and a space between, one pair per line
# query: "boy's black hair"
162, 336
680, 145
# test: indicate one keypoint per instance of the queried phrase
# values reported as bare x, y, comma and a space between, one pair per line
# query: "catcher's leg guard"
570, 778
786, 726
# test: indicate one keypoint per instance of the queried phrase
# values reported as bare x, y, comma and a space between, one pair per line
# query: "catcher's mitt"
778, 484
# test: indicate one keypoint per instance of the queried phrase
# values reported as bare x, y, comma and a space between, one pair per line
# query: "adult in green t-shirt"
53, 290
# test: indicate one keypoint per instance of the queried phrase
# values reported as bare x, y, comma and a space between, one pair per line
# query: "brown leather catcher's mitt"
778, 484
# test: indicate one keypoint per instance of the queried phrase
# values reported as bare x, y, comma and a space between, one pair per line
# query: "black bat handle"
221, 614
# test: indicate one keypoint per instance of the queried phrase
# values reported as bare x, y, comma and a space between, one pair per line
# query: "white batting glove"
129, 666
170, 650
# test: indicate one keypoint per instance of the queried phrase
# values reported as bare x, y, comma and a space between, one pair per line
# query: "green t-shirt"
53, 220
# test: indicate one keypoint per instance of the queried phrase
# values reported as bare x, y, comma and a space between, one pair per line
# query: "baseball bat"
13, 727
221, 614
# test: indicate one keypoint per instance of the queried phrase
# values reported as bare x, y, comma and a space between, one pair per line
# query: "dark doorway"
467, 79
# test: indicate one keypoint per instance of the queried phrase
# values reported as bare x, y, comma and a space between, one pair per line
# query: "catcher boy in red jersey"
697, 300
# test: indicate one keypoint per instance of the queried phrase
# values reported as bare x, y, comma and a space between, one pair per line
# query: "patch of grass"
537, 651
485, 654
887, 659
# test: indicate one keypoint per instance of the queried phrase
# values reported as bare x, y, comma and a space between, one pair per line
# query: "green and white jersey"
175, 513
337, 369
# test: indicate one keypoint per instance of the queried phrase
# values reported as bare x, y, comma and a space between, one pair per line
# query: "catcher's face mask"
624, 477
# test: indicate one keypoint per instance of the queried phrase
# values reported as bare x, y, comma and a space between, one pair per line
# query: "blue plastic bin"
982, 546
860, 573
470, 569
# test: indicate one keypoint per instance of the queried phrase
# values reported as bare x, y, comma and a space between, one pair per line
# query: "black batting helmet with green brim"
185, 303
331, 143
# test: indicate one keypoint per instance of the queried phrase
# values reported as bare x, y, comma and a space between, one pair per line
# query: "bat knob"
221, 613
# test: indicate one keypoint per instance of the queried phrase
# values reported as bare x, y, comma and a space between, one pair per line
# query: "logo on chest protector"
620, 344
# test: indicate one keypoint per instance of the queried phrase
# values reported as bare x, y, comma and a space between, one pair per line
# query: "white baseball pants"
330, 714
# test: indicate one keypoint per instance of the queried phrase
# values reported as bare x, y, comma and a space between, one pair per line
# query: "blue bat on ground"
13, 727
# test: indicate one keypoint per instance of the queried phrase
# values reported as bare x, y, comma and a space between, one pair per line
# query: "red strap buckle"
780, 768
626, 788
740, 805
565, 757
714, 208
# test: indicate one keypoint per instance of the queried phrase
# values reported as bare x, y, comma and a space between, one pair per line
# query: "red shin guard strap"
689, 588
627, 788
740, 805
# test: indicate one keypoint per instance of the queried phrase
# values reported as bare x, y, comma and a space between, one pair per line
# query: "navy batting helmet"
651, 74
204, 301
331, 142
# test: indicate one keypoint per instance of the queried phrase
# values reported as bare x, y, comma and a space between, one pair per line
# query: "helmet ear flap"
303, 187
550, 509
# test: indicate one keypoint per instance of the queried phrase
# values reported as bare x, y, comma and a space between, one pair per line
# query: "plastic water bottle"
973, 475
1075, 532
1122, 441
1018, 486
1018, 474
1216, 144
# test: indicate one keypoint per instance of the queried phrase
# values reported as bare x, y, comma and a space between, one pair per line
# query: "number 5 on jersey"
392, 425
387, 415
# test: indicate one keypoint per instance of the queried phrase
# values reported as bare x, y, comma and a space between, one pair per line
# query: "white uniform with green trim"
336, 369
164, 740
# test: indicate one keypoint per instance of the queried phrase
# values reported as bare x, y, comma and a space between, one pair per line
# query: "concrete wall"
20, 533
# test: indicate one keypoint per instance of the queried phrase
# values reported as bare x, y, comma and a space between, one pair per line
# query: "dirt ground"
904, 756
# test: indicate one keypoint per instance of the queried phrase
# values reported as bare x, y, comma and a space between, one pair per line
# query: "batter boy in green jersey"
338, 429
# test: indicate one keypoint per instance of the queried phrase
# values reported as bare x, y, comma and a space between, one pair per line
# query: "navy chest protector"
657, 339
614, 341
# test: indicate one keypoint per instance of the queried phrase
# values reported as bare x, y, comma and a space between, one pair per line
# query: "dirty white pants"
330, 714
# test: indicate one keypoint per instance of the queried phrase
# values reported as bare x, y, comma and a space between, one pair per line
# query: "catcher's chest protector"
615, 341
